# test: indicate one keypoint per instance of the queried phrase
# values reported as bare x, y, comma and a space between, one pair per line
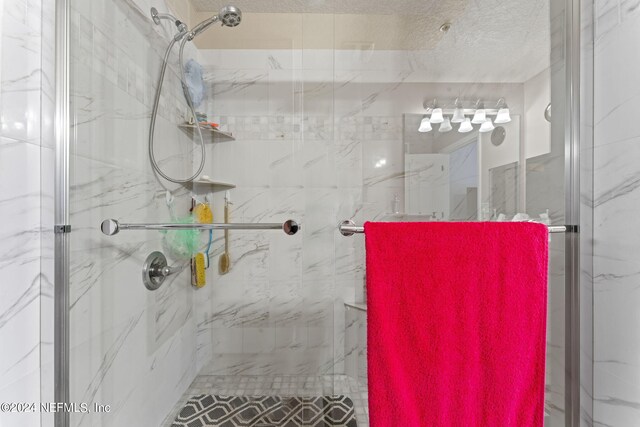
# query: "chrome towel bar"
111, 227
349, 228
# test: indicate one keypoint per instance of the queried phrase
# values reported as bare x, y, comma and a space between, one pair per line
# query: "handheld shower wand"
230, 16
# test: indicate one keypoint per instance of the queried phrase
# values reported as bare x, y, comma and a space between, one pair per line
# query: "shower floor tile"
265, 411
283, 389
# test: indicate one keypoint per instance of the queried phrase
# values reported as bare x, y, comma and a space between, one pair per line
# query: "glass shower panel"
268, 325
407, 110
325, 111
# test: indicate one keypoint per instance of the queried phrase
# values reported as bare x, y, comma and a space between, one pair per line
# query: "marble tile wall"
308, 141
586, 213
311, 128
616, 200
130, 348
24, 137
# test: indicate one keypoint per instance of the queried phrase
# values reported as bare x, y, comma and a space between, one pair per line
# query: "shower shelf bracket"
211, 184
213, 134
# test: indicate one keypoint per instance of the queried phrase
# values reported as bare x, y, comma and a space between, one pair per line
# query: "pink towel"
456, 324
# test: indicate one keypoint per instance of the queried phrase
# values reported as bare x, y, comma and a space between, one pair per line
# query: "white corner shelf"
361, 306
212, 134
213, 184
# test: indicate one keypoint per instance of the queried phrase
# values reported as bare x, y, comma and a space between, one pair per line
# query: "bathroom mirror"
468, 176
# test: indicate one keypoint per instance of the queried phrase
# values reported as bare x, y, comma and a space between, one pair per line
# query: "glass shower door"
324, 112
130, 348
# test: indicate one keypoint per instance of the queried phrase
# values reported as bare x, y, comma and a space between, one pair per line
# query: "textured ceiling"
489, 40
384, 7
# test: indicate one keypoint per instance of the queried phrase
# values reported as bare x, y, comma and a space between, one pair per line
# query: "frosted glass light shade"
479, 117
425, 125
465, 126
436, 116
487, 126
458, 115
503, 116
445, 126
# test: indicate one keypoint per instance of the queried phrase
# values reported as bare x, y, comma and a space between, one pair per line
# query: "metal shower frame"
572, 215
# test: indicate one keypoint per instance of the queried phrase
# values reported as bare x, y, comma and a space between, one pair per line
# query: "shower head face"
230, 16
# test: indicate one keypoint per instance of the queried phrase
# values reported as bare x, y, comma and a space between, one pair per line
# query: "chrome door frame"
61, 211
572, 59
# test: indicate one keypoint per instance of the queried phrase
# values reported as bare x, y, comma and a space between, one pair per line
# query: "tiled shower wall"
309, 135
130, 348
616, 224
26, 96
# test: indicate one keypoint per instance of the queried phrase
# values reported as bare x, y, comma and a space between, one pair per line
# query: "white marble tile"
20, 273
615, 200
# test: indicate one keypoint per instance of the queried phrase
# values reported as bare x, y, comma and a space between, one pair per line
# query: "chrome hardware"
155, 270
112, 227
547, 113
61, 229
349, 228
290, 227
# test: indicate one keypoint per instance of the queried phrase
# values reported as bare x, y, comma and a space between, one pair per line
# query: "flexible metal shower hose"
154, 113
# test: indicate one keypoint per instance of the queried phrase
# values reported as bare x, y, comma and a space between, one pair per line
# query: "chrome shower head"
230, 16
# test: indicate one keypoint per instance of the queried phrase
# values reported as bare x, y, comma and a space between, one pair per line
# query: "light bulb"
487, 126
436, 116
445, 126
425, 125
458, 115
503, 116
465, 126
479, 117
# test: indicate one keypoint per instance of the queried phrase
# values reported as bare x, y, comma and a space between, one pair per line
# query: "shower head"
229, 16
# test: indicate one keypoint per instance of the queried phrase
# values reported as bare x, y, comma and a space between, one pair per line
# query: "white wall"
537, 131
491, 156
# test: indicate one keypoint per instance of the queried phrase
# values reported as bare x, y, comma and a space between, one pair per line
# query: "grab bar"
349, 228
111, 227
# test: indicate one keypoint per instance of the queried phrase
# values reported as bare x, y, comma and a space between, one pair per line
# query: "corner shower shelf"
215, 185
214, 135
361, 306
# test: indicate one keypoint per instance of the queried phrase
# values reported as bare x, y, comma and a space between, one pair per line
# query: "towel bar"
349, 228
111, 227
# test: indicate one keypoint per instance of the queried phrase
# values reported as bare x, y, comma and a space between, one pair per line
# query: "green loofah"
182, 244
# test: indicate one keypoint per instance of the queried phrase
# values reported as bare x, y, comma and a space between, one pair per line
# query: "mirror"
453, 176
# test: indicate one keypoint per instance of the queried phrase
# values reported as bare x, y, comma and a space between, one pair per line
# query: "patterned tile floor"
282, 386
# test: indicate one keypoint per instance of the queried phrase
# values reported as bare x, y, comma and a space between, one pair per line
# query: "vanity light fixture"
436, 116
425, 125
445, 126
487, 126
503, 115
480, 116
458, 114
465, 126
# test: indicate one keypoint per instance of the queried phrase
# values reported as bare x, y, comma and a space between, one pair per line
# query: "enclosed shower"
211, 244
